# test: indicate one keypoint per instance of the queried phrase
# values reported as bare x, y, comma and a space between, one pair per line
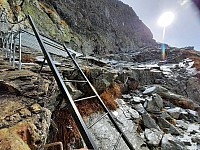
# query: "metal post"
3, 41
1, 32
1, 26
7, 46
2, 19
14, 48
20, 51
11, 42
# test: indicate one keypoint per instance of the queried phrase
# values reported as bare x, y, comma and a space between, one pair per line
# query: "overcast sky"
185, 29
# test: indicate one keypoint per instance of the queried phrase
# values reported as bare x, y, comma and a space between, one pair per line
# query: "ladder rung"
77, 81
97, 121
117, 142
77, 100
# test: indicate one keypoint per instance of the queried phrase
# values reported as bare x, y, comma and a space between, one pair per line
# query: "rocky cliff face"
105, 26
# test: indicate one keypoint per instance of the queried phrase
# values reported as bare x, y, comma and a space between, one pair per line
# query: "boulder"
171, 143
24, 82
105, 136
137, 100
192, 116
164, 115
186, 139
175, 112
133, 113
100, 78
128, 112
126, 96
189, 115
182, 124
186, 85
153, 136
149, 122
75, 93
175, 99
139, 107
132, 83
193, 89
196, 138
23, 126
155, 104
167, 127
149, 90
12, 141
193, 128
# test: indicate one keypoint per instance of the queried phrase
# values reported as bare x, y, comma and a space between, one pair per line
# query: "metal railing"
14, 41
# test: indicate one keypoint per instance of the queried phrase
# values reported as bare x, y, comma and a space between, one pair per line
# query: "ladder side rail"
110, 115
74, 111
1, 25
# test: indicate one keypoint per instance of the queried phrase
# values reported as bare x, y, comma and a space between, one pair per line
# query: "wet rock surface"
125, 118
159, 107
151, 114
24, 124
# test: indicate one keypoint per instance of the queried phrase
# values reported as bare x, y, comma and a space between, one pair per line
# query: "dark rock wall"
104, 25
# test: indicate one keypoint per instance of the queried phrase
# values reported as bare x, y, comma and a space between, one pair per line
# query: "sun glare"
166, 19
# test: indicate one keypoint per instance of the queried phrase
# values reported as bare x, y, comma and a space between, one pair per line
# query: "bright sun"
166, 19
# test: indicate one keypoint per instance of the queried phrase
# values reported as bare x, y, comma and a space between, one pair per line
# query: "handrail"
52, 43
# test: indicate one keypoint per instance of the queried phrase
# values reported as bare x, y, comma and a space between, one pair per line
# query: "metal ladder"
74, 111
